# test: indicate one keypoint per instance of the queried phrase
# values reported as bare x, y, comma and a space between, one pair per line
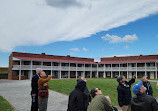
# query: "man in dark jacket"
146, 84
77, 98
124, 93
86, 91
142, 101
34, 91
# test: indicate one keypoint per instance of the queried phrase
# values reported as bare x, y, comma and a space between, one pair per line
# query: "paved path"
18, 94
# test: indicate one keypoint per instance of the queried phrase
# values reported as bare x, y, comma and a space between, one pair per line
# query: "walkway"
18, 94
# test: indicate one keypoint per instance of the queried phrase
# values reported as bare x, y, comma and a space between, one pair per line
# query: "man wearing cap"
124, 93
142, 101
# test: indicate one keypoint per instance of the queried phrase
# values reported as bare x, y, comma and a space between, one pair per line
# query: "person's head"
38, 70
139, 88
121, 79
80, 85
43, 74
144, 79
82, 78
95, 91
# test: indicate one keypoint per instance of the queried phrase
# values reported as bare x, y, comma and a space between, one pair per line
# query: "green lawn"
4, 105
108, 87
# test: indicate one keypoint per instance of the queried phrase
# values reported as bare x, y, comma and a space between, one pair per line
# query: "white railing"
24, 67
80, 68
34, 67
132, 68
151, 68
88, 69
72, 68
46, 67
16, 67
140, 68
115, 68
100, 68
107, 68
55, 67
67, 68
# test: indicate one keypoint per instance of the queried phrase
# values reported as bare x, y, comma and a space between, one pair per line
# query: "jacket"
34, 84
41, 81
86, 92
77, 98
124, 93
143, 102
149, 89
100, 103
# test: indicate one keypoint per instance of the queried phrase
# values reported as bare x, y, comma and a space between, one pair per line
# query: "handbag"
43, 93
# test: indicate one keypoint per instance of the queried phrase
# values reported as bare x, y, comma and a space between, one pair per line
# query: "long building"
23, 66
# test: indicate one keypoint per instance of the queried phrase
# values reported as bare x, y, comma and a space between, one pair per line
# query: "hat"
136, 87
119, 78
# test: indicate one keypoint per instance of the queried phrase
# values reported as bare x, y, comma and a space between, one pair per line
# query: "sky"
79, 28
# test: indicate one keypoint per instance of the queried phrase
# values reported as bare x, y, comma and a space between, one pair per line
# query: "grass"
3, 72
107, 86
4, 105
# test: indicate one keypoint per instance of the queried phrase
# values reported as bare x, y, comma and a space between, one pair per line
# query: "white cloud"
116, 39
39, 22
84, 49
75, 49
126, 47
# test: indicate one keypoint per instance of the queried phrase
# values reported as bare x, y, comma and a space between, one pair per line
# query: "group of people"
143, 99
80, 99
39, 92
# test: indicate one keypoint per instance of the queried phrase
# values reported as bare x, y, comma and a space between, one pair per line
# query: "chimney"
43, 54
68, 55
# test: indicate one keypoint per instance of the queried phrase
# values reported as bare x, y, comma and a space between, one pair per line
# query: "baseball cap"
136, 87
119, 78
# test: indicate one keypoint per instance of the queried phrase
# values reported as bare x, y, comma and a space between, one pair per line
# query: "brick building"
23, 66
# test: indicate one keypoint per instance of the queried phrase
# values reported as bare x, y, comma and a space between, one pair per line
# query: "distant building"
23, 66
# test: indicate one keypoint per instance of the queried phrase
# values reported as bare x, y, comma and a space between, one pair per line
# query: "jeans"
42, 104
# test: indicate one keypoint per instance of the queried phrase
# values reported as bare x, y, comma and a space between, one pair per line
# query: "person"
99, 102
77, 98
86, 91
43, 93
146, 84
124, 92
141, 101
34, 91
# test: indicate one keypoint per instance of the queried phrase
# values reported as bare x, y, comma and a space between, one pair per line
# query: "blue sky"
123, 36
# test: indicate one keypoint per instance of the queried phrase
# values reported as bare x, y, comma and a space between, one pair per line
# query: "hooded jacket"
77, 98
143, 102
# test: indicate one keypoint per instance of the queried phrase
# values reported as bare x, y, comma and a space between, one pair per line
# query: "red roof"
54, 60
129, 61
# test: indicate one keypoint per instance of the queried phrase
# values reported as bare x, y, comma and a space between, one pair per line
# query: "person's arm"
107, 105
157, 85
132, 80
33, 85
42, 81
120, 97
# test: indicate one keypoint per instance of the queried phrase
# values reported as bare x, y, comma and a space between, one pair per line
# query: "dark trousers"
34, 106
